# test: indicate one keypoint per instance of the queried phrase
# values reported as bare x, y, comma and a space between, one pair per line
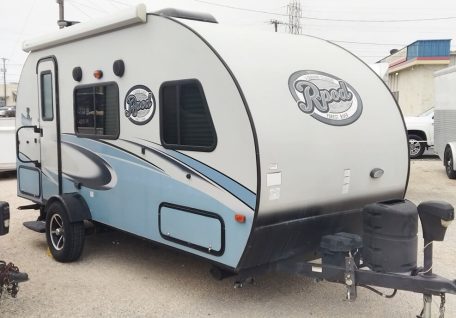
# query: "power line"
328, 19
79, 9
120, 2
368, 43
26, 21
242, 9
89, 6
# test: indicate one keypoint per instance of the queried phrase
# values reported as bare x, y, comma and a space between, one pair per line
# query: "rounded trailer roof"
296, 133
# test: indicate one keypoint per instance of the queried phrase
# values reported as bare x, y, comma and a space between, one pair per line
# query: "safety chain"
11, 288
442, 305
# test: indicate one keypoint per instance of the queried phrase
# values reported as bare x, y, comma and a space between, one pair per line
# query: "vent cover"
182, 14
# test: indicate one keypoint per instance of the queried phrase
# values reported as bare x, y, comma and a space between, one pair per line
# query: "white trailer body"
240, 147
445, 118
7, 144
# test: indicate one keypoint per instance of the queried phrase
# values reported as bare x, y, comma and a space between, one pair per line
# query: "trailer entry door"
49, 124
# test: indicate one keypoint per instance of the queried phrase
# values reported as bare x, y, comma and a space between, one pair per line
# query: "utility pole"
276, 23
294, 17
4, 79
61, 21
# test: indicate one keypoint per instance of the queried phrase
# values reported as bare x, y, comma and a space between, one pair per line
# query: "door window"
47, 98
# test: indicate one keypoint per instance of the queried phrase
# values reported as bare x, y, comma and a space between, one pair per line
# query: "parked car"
8, 111
420, 131
7, 144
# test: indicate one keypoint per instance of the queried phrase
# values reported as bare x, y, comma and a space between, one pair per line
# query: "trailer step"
37, 226
34, 206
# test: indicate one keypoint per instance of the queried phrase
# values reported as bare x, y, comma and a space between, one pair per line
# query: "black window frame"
42, 95
96, 136
178, 83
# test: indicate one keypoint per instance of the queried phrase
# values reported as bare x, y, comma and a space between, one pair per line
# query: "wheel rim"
57, 232
415, 147
449, 165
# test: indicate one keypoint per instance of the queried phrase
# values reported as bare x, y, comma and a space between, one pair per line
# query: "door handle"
36, 130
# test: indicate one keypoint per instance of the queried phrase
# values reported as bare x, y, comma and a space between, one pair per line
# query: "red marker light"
239, 218
98, 74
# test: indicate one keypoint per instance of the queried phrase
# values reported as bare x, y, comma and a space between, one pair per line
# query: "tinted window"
96, 110
47, 112
185, 119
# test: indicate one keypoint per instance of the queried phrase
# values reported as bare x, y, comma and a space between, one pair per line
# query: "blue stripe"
103, 147
238, 190
235, 188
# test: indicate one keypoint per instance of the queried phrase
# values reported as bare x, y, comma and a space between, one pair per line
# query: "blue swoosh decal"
230, 185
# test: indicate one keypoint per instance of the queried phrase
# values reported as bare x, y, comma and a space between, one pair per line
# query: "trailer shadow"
158, 270
40, 244
427, 157
150, 260
8, 175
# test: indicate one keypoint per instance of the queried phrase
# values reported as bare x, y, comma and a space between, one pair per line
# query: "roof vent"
182, 14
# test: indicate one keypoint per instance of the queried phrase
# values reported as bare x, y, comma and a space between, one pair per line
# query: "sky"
25, 19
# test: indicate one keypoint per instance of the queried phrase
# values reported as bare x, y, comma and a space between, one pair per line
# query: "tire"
416, 146
65, 239
449, 163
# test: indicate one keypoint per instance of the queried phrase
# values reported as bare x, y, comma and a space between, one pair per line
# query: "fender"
74, 203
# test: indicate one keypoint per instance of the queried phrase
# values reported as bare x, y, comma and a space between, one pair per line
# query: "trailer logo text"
139, 105
325, 97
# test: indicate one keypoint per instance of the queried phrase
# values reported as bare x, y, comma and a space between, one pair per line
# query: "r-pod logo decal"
325, 97
139, 105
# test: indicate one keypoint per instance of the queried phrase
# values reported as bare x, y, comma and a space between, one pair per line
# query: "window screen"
96, 110
47, 112
185, 119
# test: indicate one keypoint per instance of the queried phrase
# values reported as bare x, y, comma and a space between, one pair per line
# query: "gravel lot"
123, 276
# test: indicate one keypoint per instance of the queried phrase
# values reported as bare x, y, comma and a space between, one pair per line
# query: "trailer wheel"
416, 146
449, 163
65, 239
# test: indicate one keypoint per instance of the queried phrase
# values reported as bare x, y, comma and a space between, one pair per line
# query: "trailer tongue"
381, 258
10, 277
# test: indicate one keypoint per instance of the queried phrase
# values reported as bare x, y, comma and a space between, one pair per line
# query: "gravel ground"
123, 276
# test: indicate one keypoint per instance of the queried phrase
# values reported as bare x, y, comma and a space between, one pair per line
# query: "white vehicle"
420, 131
7, 144
445, 118
212, 140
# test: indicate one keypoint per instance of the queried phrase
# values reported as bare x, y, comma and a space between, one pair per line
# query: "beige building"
11, 94
411, 73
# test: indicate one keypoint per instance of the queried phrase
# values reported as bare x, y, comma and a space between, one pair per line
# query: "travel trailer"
254, 151
444, 118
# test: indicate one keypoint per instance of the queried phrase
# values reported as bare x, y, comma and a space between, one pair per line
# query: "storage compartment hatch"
194, 228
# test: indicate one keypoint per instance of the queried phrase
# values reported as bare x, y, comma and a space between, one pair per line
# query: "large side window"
47, 98
185, 119
96, 110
